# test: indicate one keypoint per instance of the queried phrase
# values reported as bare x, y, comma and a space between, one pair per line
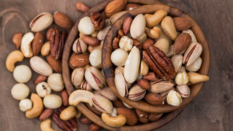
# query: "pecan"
59, 122
159, 63
98, 20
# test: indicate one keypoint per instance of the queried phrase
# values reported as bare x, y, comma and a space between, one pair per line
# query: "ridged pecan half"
98, 20
159, 63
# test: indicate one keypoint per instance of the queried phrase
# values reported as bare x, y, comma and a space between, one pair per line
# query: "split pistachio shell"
85, 26
41, 22
169, 28
182, 78
79, 46
190, 32
26, 44
136, 93
160, 87
183, 90
81, 96
120, 83
107, 92
40, 66
77, 76
102, 104
174, 98
119, 57
96, 58
85, 86
95, 78
195, 66
177, 61
126, 43
195, 78
132, 65
144, 68
192, 53
163, 45
138, 26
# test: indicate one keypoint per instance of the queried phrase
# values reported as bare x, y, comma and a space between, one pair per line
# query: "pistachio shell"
132, 65
161, 86
190, 32
136, 93
77, 76
79, 46
183, 90
41, 22
195, 78
102, 104
195, 66
85, 86
95, 78
107, 92
121, 84
177, 61
192, 53
40, 66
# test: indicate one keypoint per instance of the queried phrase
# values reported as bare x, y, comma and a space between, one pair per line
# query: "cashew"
26, 44
45, 125
37, 107
12, 58
81, 96
117, 121
45, 50
68, 113
153, 33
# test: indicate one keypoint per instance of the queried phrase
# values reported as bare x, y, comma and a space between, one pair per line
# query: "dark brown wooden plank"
210, 110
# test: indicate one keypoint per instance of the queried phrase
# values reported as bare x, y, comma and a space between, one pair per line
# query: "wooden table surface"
211, 110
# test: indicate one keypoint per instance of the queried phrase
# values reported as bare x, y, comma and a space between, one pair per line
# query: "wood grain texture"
210, 110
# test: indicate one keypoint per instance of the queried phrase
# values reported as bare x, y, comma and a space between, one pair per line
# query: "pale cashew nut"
68, 113
116, 121
37, 107
26, 44
45, 125
12, 58
81, 96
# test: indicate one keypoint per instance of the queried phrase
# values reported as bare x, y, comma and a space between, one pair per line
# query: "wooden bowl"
108, 67
70, 88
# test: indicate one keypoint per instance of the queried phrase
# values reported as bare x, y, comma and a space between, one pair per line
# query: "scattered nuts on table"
25, 104
55, 82
52, 101
22, 73
43, 89
20, 91
41, 22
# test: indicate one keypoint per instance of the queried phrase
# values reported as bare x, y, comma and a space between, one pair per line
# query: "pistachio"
192, 53
77, 76
79, 46
126, 43
107, 92
144, 69
169, 28
40, 66
85, 86
195, 78
183, 90
94, 78
102, 104
136, 93
138, 25
173, 98
102, 33
161, 86
195, 66
190, 32
119, 57
132, 65
41, 22
120, 83
163, 45
182, 78
177, 61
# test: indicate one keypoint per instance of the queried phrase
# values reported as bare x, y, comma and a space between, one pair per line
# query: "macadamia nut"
20, 91
25, 104
85, 26
55, 82
22, 73
119, 57
95, 58
52, 101
43, 89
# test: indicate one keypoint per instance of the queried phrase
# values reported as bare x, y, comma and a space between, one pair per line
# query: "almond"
154, 99
40, 79
65, 97
181, 43
91, 41
154, 116
46, 114
115, 7
79, 60
143, 116
144, 84
55, 64
17, 39
126, 25
182, 23
37, 43
62, 20
82, 7
147, 43
130, 115
94, 127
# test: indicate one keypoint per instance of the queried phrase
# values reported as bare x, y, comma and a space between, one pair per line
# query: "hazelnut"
119, 57
126, 43
43, 89
55, 82
174, 98
182, 78
95, 58
25, 104
20, 91
22, 74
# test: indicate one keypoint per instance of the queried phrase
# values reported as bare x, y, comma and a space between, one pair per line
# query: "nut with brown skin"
59, 122
78, 60
182, 42
82, 7
98, 20
137, 43
48, 33
126, 25
154, 99
182, 23
154, 116
131, 117
118, 103
94, 127
149, 42
150, 77
115, 7
115, 43
144, 84
143, 116
62, 20
91, 41
17, 39
65, 97
55, 64
85, 121
46, 114
40, 79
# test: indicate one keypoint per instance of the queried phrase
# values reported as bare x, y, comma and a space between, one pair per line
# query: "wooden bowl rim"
108, 66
